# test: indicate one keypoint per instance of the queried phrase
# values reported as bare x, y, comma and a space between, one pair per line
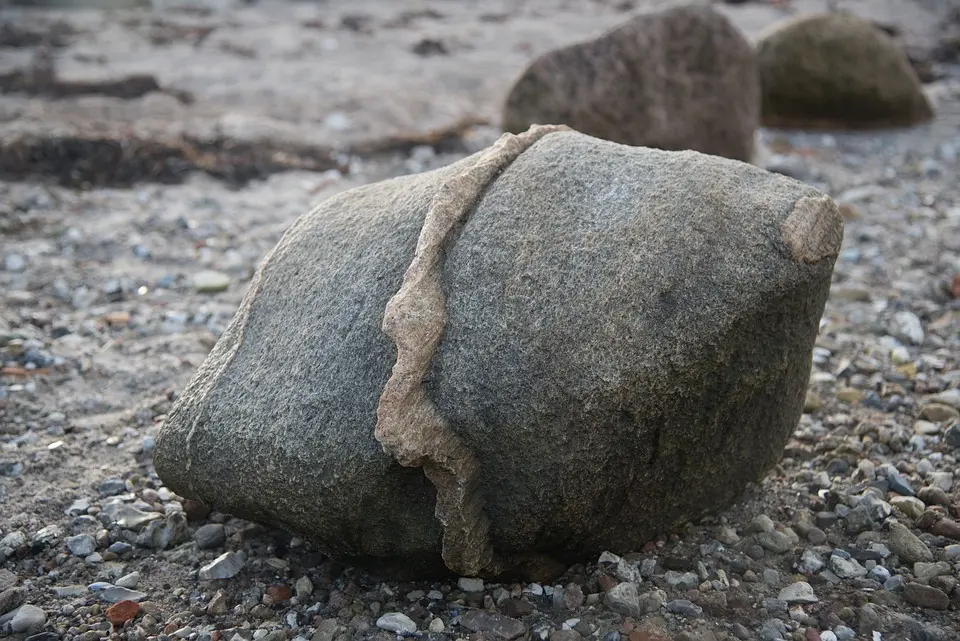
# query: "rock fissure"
409, 426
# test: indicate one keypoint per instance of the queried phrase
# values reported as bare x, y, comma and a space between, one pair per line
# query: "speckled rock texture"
837, 71
678, 78
553, 347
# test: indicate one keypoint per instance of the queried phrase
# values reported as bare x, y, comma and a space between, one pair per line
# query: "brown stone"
924, 596
277, 594
122, 611
678, 78
946, 527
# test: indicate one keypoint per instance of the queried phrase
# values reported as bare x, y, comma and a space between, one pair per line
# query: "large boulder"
680, 78
553, 347
836, 71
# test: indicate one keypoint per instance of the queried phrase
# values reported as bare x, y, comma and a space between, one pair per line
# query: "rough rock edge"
813, 230
210, 373
409, 426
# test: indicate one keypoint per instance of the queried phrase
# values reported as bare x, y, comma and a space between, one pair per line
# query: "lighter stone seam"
409, 426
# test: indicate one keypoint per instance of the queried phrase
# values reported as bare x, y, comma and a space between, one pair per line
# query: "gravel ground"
112, 295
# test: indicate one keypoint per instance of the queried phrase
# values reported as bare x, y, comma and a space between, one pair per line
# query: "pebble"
7, 579
939, 412
775, 541
907, 327
121, 612
925, 596
843, 633
210, 282
926, 571
623, 599
25, 618
112, 487
397, 622
799, 592
129, 581
225, 566
908, 547
436, 626
909, 505
499, 626
115, 594
683, 607
894, 584
303, 587
470, 584
846, 568
209, 536
81, 545
952, 436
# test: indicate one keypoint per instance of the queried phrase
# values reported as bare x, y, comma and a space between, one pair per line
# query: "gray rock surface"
837, 71
678, 78
588, 337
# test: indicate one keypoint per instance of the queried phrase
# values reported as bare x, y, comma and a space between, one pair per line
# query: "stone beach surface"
112, 296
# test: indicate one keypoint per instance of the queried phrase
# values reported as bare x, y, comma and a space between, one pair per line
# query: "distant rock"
680, 78
837, 71
665, 302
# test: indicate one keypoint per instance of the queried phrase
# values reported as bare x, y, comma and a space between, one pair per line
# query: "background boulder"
679, 78
837, 71
557, 346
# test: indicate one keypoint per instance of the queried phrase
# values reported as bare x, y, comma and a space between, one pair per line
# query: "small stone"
816, 536
112, 487
26, 618
225, 566
924, 596
81, 545
209, 536
516, 608
684, 607
858, 520
775, 541
943, 480
565, 635
844, 633
115, 594
277, 594
907, 327
894, 584
933, 495
908, 547
436, 626
573, 597
623, 599
14, 263
762, 523
846, 568
948, 528
130, 580
939, 412
726, 535
128, 517
898, 484
799, 592
121, 612
470, 584
771, 577
501, 627
909, 505
211, 282
926, 571
952, 436
7, 579
303, 588
952, 552
926, 428
397, 622
218, 604
11, 599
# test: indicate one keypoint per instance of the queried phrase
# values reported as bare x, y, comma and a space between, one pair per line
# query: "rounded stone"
836, 70
451, 361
